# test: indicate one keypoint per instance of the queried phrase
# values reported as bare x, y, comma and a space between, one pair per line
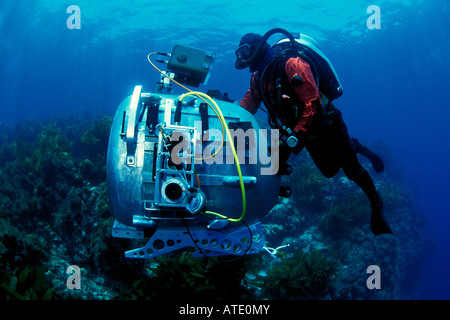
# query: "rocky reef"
54, 213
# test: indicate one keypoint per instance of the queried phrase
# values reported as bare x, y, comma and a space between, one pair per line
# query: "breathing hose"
266, 36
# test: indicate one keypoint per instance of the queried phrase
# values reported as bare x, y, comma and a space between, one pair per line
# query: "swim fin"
377, 162
378, 223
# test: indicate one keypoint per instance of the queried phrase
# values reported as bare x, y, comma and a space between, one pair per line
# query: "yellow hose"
233, 149
187, 89
224, 125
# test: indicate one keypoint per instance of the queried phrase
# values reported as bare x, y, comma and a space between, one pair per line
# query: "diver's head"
246, 55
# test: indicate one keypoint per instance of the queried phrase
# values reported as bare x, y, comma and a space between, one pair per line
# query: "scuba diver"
291, 85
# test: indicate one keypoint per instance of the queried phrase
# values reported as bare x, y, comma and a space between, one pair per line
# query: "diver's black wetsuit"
332, 149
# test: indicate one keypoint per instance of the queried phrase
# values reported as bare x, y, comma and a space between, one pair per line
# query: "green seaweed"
308, 184
351, 211
27, 283
51, 143
94, 145
184, 277
54, 210
304, 276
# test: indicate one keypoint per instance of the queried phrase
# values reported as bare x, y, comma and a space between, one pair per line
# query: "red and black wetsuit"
324, 135
306, 96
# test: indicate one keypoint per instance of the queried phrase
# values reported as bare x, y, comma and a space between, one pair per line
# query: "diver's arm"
251, 100
248, 103
307, 92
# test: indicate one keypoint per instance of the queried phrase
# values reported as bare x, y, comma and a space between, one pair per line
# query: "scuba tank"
308, 49
303, 46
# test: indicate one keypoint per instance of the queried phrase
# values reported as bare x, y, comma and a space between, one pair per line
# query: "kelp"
306, 275
350, 212
26, 283
184, 278
54, 210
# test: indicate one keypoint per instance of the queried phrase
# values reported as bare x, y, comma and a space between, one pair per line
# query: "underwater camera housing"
190, 66
161, 192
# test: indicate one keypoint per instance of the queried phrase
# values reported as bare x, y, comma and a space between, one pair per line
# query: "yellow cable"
233, 150
187, 89
224, 125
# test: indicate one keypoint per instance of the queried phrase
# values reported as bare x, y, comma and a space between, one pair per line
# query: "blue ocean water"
395, 78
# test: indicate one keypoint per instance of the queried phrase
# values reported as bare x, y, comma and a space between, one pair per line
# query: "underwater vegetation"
53, 199
310, 186
303, 276
184, 278
352, 210
54, 213
28, 283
